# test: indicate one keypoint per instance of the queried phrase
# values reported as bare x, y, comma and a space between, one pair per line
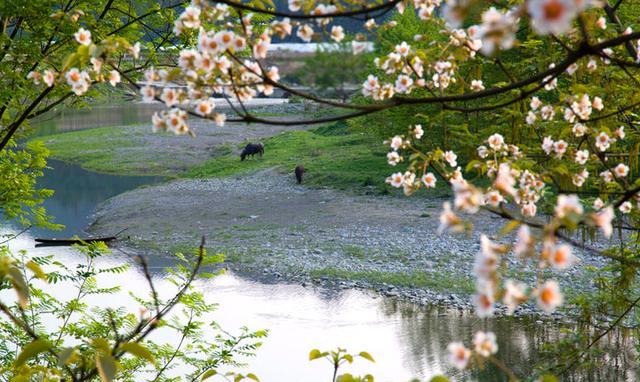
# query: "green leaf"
367, 356
253, 376
65, 356
315, 354
439, 378
513, 224
106, 366
31, 350
138, 350
20, 286
100, 344
548, 378
208, 374
348, 357
35, 268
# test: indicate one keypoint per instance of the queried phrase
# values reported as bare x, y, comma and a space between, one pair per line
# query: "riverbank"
268, 226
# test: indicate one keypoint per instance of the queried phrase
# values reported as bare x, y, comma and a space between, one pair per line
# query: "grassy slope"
332, 156
92, 148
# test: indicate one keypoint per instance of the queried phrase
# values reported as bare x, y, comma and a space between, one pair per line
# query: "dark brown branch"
349, 13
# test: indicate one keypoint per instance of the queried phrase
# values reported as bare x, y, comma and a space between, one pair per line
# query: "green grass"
332, 156
94, 149
417, 279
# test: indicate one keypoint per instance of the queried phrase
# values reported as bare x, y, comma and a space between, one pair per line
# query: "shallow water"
407, 340
78, 192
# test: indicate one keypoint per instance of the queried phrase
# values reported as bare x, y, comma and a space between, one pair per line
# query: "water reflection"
96, 116
78, 192
408, 341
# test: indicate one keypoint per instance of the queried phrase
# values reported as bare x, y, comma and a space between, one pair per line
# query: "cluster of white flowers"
79, 80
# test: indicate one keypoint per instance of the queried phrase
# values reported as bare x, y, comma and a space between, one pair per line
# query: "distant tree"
333, 68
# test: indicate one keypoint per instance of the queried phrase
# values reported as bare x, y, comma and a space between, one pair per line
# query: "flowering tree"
553, 80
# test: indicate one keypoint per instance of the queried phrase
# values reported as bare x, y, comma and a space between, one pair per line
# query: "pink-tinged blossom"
496, 141
219, 119
552, 16
524, 244
486, 260
549, 297
607, 176
114, 77
602, 23
626, 207
305, 33
621, 170
535, 103
580, 177
484, 301
603, 220
358, 47
429, 180
403, 84
547, 113
514, 295
477, 85
485, 343
295, 5
169, 97
603, 141
582, 156
205, 107
504, 180
561, 257
560, 147
529, 209
135, 50
449, 221
158, 122
598, 204
572, 68
497, 30
494, 198
395, 180
568, 204
579, 129
597, 103
619, 132
483, 152
337, 33
49, 77
451, 158
148, 93
417, 131
459, 355
396, 142
83, 37
393, 158
35, 76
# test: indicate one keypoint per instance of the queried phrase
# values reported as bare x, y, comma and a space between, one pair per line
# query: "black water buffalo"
299, 171
252, 149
